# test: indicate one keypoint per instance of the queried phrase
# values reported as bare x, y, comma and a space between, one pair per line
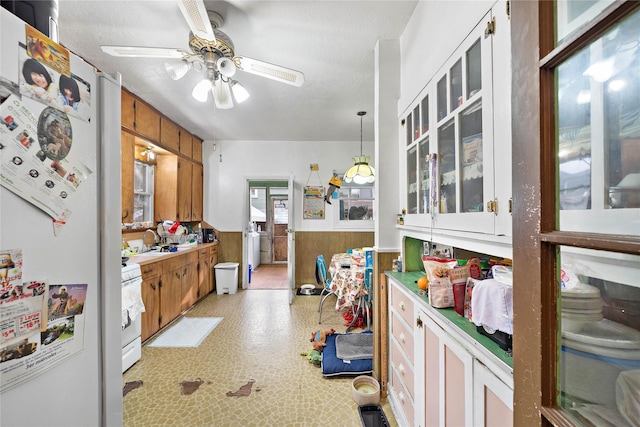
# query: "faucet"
147, 248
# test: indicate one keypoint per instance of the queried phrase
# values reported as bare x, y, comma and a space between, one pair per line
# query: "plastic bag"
440, 288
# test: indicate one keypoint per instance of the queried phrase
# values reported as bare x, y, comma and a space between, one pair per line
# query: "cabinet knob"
401, 397
402, 338
419, 322
401, 369
401, 305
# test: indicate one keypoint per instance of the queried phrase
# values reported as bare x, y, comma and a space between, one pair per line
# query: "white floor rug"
188, 332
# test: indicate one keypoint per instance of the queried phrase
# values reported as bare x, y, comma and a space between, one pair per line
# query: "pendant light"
360, 172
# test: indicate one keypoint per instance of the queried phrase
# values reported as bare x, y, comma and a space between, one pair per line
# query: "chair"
324, 281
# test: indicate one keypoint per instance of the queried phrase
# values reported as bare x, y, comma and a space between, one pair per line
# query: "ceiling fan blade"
197, 17
222, 94
144, 52
271, 71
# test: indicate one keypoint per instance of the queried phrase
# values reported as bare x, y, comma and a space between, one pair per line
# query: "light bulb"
201, 90
239, 92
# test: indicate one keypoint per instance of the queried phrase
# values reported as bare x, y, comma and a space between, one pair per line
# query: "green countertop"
409, 280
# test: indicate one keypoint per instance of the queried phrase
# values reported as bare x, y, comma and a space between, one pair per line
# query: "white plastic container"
226, 277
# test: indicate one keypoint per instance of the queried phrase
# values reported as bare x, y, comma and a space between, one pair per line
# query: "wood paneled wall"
310, 244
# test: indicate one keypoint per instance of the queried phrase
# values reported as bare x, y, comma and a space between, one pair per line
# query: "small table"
348, 280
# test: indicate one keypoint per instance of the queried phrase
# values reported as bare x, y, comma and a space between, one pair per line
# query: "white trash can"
226, 277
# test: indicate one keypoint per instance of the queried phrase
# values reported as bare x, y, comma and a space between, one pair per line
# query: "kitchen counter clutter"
174, 281
437, 352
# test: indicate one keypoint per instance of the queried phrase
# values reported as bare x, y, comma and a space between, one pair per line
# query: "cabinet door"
170, 296
127, 110
456, 378
184, 190
493, 399
147, 121
186, 142
429, 358
196, 153
196, 192
214, 261
151, 299
169, 134
165, 202
127, 142
189, 285
204, 273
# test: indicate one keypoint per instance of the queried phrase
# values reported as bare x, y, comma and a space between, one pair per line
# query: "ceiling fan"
212, 51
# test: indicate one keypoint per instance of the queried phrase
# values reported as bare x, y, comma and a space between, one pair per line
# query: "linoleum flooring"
249, 371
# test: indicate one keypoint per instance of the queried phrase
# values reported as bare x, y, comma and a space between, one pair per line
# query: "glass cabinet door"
464, 137
412, 180
598, 132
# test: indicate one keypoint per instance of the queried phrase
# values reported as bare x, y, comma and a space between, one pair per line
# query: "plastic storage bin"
226, 277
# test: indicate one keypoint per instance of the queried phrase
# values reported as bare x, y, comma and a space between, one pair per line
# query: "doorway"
267, 246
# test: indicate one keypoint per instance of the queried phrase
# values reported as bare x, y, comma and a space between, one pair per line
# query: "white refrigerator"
60, 356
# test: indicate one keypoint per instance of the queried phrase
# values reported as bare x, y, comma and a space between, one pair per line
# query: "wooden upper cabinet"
169, 134
165, 199
185, 143
147, 121
138, 116
184, 190
197, 149
127, 142
127, 110
196, 192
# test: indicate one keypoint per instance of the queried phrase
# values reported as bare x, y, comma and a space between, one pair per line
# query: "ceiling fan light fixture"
201, 90
177, 69
239, 92
226, 67
360, 172
222, 94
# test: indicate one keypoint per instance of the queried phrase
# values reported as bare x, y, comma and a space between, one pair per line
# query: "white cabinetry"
463, 118
455, 380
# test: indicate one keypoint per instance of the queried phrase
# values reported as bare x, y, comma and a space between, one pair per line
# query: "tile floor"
247, 372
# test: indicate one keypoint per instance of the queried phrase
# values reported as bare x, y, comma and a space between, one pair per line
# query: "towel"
492, 303
132, 304
354, 346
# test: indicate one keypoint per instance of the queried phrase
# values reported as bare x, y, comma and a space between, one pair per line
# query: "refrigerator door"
75, 380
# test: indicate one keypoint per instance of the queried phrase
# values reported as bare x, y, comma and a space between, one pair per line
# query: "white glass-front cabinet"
461, 119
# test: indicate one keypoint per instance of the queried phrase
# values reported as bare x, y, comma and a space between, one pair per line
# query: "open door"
291, 235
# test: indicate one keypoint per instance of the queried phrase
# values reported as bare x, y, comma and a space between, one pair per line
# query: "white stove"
132, 308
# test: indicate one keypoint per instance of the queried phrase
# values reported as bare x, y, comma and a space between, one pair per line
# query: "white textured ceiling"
331, 42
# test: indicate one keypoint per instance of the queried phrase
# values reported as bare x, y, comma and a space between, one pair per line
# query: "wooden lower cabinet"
436, 375
151, 277
173, 285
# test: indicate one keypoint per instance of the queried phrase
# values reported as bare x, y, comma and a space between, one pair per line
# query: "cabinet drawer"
402, 304
182, 260
403, 336
213, 249
403, 369
402, 398
203, 252
152, 269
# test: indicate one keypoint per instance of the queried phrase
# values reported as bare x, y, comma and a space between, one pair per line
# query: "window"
143, 179
355, 203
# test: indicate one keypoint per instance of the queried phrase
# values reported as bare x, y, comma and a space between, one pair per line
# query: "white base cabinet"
447, 378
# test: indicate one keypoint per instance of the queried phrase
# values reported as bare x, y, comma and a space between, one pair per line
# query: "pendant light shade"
360, 172
201, 90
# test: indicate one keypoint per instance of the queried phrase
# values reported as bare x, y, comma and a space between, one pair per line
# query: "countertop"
409, 281
151, 257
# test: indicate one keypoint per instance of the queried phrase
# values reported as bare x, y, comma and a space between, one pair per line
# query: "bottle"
400, 264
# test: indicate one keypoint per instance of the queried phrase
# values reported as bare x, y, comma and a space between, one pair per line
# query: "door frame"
246, 214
